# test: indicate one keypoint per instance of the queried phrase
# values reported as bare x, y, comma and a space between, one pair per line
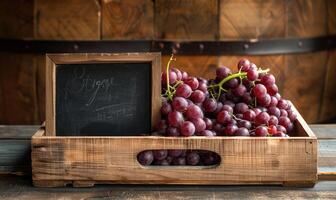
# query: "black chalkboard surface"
103, 99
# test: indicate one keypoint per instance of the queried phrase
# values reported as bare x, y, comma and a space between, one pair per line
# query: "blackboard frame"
52, 60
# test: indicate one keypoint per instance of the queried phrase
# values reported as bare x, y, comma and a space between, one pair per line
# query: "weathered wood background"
307, 79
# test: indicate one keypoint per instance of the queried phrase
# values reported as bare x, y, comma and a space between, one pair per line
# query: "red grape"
274, 111
252, 75
273, 120
166, 108
160, 154
193, 158
240, 90
194, 112
282, 104
264, 100
272, 89
259, 90
184, 75
249, 115
242, 132
208, 123
272, 129
223, 117
175, 118
210, 105
173, 131
261, 131
241, 108
199, 124
145, 157
262, 118
230, 129
227, 108
179, 161
285, 122
175, 152
244, 65
244, 124
192, 82
222, 72
180, 104
197, 96
268, 79
183, 90
281, 129
178, 74
203, 87
187, 128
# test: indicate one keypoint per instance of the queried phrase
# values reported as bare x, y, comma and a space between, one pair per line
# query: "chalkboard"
103, 99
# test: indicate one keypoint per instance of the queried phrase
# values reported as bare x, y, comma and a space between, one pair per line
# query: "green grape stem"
219, 85
169, 93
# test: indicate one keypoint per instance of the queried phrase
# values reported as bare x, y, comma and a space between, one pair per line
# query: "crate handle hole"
179, 158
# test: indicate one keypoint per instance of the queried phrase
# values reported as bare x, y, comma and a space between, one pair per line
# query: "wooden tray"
85, 161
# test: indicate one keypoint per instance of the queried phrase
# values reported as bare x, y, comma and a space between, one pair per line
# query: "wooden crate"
85, 161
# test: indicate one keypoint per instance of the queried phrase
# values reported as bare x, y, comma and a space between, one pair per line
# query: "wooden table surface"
15, 159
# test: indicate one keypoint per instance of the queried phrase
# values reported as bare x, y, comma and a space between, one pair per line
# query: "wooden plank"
324, 131
18, 82
21, 188
17, 19
69, 20
306, 18
40, 62
303, 83
127, 19
331, 6
17, 132
186, 20
328, 106
255, 19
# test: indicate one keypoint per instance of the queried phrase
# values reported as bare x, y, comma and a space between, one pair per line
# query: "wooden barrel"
306, 78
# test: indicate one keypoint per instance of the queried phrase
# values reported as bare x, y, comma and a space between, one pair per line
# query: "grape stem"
169, 93
219, 85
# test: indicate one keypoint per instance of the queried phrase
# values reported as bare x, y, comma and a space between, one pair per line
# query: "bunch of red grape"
246, 103
178, 157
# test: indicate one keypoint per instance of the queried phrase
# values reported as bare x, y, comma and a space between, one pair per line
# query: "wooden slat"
331, 6
69, 20
303, 83
127, 19
186, 20
306, 18
17, 132
328, 105
14, 187
40, 62
18, 82
324, 131
252, 19
17, 19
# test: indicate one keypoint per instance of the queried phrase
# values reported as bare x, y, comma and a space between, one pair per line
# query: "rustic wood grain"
17, 19
186, 19
331, 6
69, 20
40, 62
328, 105
306, 18
20, 188
18, 83
240, 19
52, 60
304, 82
244, 160
127, 19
